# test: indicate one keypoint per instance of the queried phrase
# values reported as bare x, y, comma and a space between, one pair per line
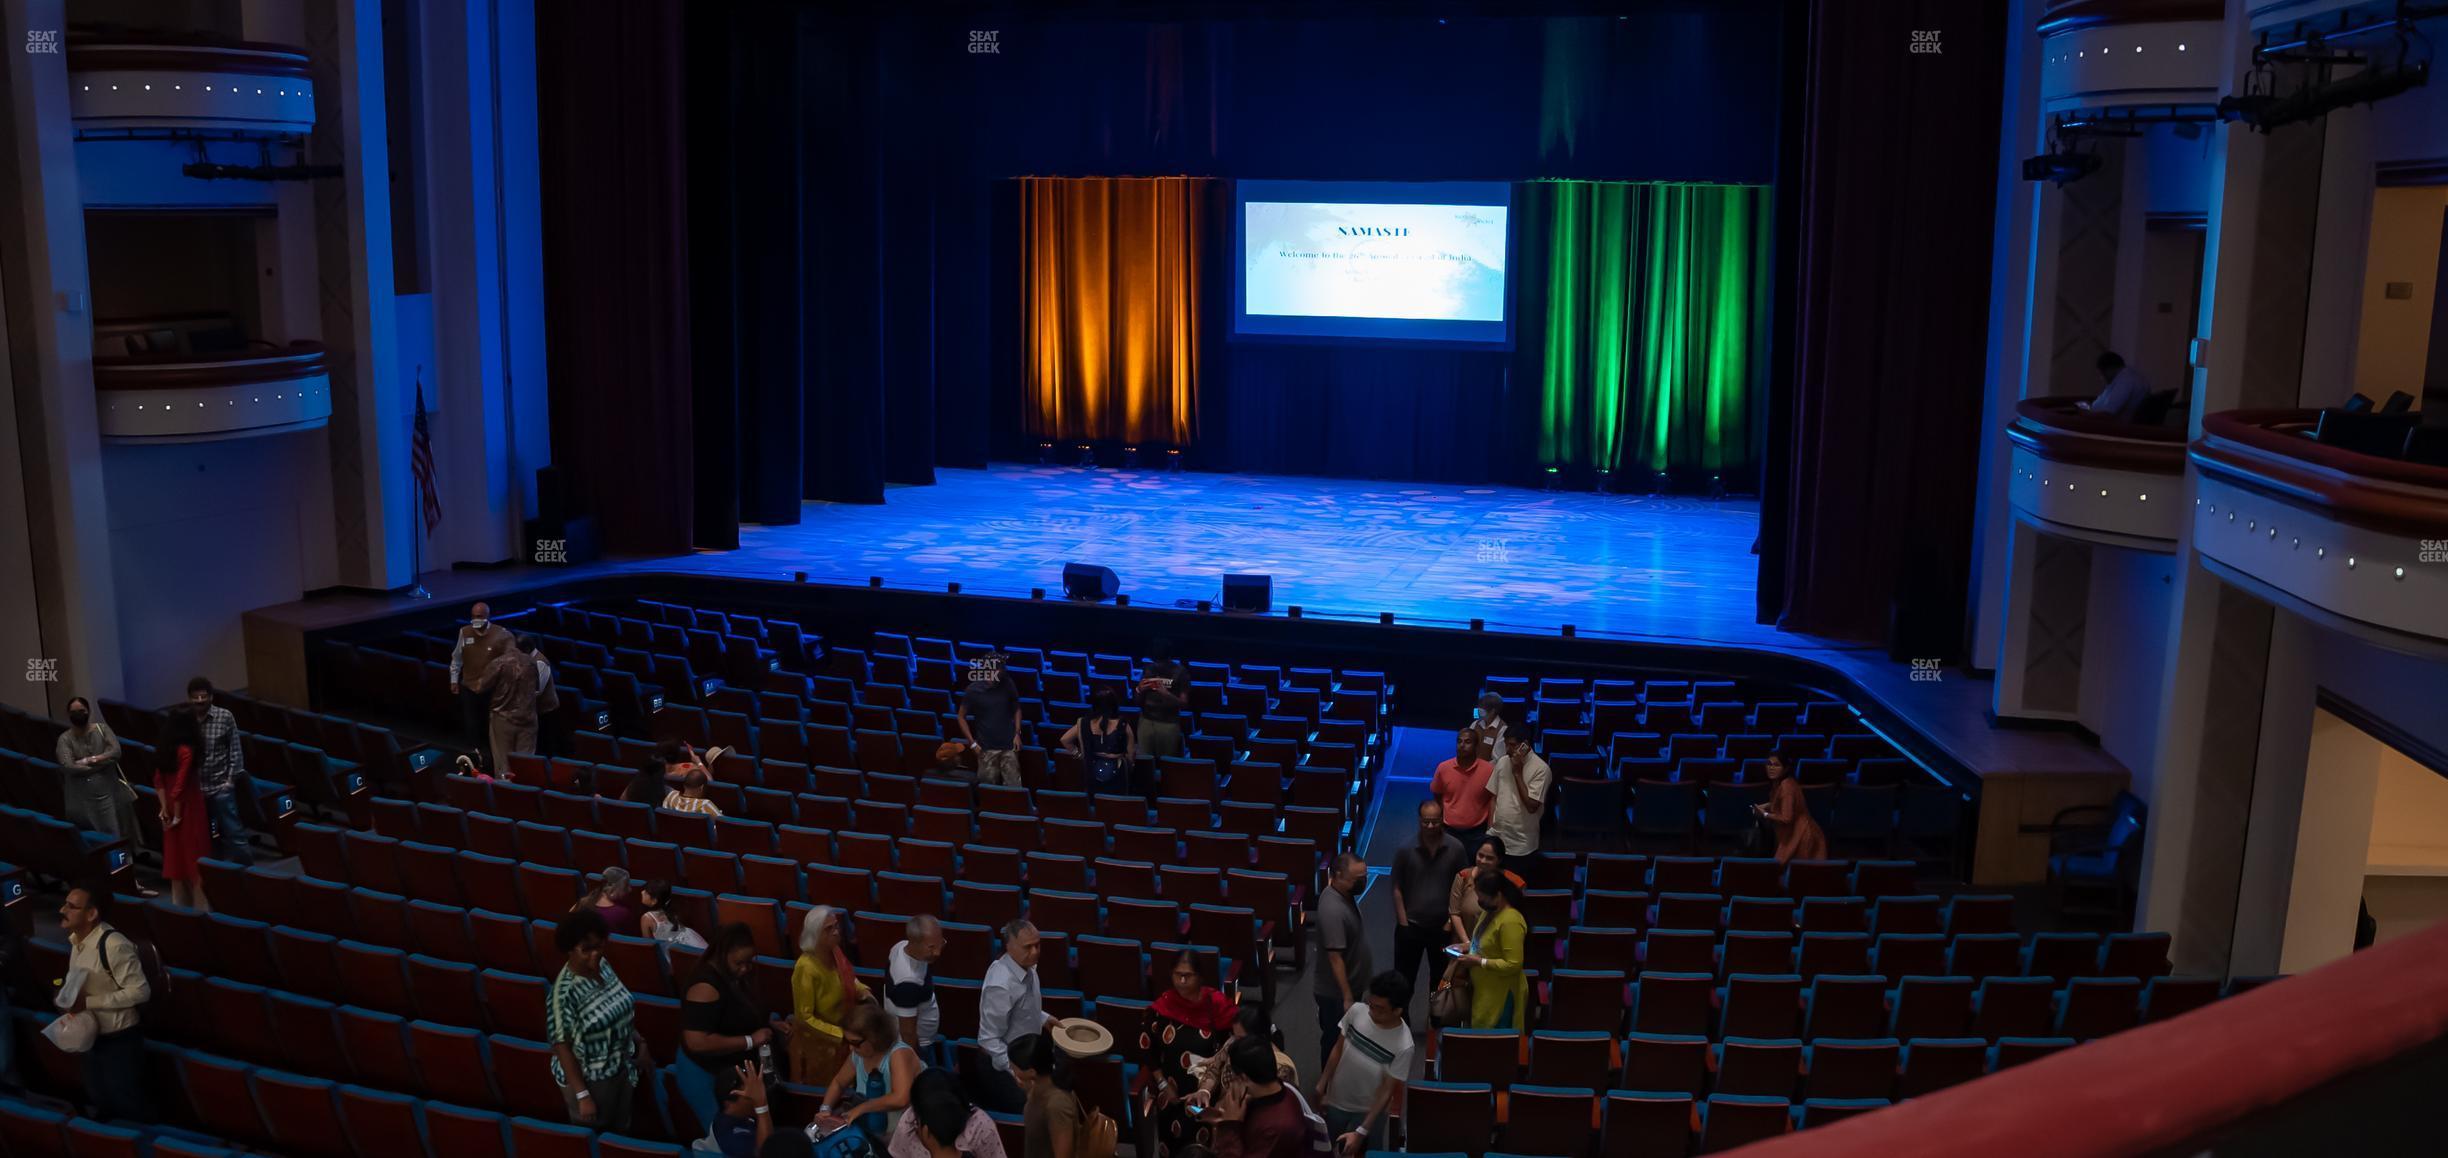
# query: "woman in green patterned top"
597, 1052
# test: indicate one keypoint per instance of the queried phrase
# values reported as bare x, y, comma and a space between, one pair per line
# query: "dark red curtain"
1870, 535
615, 210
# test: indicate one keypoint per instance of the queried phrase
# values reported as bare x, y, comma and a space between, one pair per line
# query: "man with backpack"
113, 991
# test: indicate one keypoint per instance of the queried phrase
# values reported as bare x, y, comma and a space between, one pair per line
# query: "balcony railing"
192, 397
2080, 474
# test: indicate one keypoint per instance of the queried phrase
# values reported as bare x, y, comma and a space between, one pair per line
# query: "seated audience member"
876, 1075
938, 1106
691, 795
1264, 1118
653, 781
743, 1124
611, 900
2123, 391
655, 919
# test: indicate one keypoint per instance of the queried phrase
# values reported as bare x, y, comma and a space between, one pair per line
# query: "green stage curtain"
1650, 352
1110, 269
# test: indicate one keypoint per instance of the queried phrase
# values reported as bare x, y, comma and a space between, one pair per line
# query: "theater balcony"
153, 115
2086, 477
168, 381
2340, 516
132, 84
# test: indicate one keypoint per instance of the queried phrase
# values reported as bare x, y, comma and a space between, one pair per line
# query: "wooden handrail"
2267, 452
233, 368
2054, 429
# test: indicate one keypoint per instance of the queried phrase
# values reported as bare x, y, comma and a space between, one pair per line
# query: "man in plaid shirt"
224, 771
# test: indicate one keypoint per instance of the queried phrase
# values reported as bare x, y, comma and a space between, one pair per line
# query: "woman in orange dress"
1798, 836
178, 788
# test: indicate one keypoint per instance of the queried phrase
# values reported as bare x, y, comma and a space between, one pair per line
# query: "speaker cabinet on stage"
1089, 581
1249, 593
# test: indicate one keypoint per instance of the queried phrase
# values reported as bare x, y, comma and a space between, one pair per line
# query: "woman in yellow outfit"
823, 989
1500, 988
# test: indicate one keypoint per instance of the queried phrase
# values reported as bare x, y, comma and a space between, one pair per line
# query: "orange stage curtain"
1111, 306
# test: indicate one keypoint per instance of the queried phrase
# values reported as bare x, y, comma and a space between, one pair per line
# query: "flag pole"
416, 523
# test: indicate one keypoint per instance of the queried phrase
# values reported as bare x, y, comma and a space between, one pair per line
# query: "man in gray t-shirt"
1341, 968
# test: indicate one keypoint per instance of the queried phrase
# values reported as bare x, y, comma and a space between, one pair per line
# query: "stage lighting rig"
2296, 76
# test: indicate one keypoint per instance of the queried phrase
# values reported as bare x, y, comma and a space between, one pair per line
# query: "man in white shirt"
113, 991
1520, 784
2125, 389
1011, 1005
909, 988
1363, 1077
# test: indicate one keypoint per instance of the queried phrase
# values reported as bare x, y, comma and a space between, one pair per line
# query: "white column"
2011, 293
2217, 384
378, 433
2340, 244
55, 445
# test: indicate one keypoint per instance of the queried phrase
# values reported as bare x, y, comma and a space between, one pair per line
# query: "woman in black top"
721, 1025
1103, 742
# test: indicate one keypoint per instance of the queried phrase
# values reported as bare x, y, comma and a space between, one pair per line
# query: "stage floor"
1661, 568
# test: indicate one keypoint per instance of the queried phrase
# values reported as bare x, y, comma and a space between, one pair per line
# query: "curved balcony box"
2107, 54
130, 86
2086, 477
202, 398
2354, 540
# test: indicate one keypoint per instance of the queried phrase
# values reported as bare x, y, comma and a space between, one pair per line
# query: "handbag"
1098, 1138
1450, 1005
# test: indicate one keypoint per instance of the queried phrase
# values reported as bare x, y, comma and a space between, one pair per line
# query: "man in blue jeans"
224, 775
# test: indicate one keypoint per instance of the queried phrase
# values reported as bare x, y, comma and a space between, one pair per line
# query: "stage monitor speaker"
1089, 581
1249, 593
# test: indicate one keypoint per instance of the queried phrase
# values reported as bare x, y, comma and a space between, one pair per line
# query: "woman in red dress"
186, 823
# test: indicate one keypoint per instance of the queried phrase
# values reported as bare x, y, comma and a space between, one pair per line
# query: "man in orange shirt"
1461, 785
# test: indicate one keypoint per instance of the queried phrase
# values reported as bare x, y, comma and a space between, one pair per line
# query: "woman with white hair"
823, 989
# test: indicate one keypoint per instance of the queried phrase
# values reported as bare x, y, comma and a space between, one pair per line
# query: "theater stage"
1656, 568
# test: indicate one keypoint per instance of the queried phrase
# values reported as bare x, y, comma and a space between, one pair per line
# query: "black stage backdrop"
1868, 533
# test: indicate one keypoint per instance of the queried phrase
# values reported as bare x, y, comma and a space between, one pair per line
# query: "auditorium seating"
1682, 1000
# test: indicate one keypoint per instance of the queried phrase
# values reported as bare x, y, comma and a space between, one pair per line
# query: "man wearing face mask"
480, 643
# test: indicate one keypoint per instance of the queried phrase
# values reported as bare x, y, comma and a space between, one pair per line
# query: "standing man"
509, 687
223, 775
115, 989
909, 988
480, 643
1424, 873
1010, 1006
990, 719
1520, 785
1461, 785
1342, 966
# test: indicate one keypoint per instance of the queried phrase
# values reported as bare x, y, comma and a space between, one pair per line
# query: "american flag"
420, 460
